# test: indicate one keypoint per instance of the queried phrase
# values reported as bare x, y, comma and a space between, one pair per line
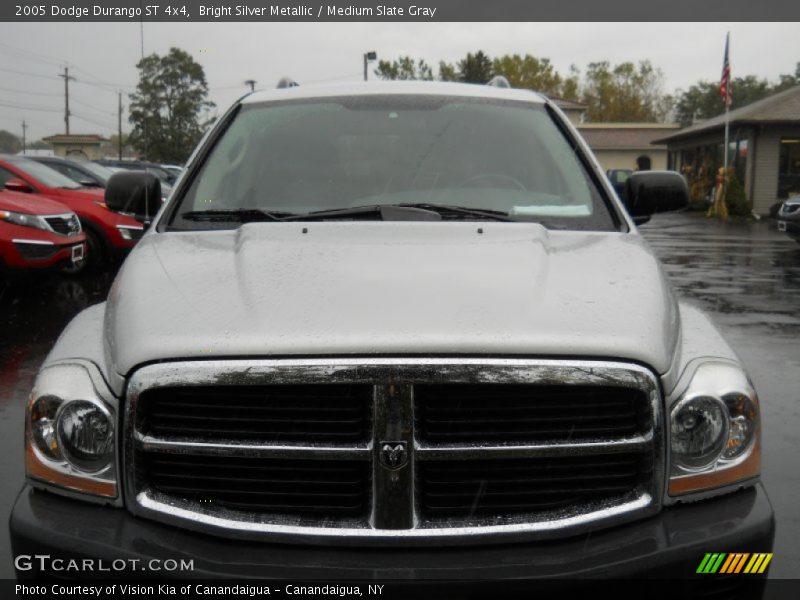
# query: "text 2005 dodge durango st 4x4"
393, 331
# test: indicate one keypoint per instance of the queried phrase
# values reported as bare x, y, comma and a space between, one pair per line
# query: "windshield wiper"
448, 209
421, 211
384, 212
237, 215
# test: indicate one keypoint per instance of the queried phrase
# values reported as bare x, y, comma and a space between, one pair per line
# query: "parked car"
176, 170
396, 330
618, 177
165, 176
38, 234
789, 218
86, 173
109, 234
162, 174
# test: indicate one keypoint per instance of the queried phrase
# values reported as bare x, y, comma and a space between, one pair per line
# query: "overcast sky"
102, 56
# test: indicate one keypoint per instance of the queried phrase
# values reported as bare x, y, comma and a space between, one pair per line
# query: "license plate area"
77, 253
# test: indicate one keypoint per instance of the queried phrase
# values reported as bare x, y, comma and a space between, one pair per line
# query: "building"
573, 110
85, 146
628, 145
763, 149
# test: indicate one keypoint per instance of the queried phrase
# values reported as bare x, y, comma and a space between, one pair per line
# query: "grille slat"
508, 487
291, 487
298, 413
497, 413
64, 225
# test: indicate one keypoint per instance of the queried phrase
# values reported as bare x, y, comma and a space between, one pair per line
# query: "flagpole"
727, 123
727, 109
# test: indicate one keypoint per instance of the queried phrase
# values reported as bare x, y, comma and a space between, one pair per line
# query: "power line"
93, 122
30, 74
99, 81
40, 57
27, 93
53, 61
37, 109
103, 111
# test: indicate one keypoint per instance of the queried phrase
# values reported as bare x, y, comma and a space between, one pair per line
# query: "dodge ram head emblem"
393, 455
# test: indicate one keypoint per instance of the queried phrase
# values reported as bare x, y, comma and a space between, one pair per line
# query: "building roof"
76, 138
567, 104
783, 107
624, 136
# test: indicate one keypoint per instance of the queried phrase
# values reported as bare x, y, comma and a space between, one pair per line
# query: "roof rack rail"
499, 81
286, 82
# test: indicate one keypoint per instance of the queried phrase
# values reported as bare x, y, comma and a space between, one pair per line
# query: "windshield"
99, 171
45, 175
320, 154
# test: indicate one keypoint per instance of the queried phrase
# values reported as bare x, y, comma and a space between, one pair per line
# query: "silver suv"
376, 319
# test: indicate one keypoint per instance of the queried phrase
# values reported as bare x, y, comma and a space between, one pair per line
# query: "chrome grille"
334, 414
431, 450
505, 489
495, 413
67, 224
299, 488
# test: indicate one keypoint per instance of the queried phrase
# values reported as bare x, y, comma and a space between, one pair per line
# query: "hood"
94, 194
31, 204
390, 288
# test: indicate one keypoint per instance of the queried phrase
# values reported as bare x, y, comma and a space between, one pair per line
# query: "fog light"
85, 434
699, 428
743, 425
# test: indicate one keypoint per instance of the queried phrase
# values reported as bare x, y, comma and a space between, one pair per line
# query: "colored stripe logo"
734, 562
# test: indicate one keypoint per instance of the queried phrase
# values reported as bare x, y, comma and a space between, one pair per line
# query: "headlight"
24, 220
70, 426
714, 431
85, 434
699, 428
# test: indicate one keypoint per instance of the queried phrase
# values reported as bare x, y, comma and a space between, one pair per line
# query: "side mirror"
17, 185
134, 192
650, 192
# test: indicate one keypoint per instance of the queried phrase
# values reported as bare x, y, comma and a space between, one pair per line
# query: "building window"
789, 168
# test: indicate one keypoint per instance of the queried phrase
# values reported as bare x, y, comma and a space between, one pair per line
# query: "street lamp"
252, 84
368, 57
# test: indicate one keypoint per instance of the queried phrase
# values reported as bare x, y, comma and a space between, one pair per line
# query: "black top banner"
400, 10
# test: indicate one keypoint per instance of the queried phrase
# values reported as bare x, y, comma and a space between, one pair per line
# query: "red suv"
37, 233
109, 234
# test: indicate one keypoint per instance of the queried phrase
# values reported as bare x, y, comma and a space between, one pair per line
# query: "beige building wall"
83, 151
574, 115
626, 159
765, 170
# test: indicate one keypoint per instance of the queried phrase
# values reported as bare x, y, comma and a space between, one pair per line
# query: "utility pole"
66, 76
119, 123
24, 127
252, 84
368, 56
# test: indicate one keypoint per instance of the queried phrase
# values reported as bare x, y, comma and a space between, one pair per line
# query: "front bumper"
24, 254
790, 224
669, 545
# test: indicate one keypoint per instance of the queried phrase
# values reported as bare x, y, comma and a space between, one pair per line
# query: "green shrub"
736, 199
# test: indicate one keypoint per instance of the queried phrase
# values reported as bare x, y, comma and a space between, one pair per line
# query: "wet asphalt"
744, 273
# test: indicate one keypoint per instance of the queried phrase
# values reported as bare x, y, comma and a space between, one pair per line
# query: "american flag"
725, 86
